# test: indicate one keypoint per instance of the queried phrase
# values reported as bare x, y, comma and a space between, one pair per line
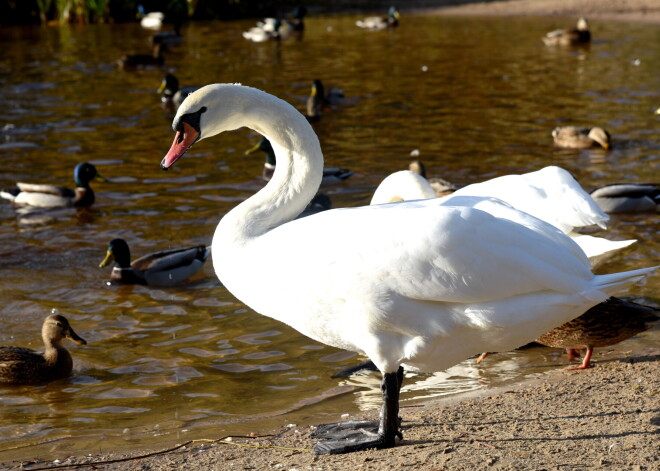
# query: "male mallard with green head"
53, 196
164, 268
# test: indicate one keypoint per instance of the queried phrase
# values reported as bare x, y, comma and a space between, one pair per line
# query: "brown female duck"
573, 137
20, 365
569, 37
605, 324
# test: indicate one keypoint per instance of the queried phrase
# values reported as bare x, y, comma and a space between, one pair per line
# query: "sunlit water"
477, 97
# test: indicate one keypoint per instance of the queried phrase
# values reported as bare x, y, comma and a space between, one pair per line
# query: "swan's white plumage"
423, 283
550, 194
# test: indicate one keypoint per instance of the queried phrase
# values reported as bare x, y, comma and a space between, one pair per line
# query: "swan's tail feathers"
616, 282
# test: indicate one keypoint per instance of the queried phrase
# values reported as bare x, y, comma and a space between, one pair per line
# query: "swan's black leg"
355, 436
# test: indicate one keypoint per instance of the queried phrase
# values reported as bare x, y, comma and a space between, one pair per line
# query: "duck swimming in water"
165, 268
416, 284
20, 365
627, 197
331, 175
579, 35
53, 196
573, 137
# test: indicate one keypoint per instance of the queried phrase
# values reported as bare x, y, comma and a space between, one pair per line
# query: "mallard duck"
605, 324
53, 196
130, 61
627, 197
441, 186
569, 37
331, 175
165, 268
320, 99
20, 365
171, 94
573, 137
416, 284
168, 38
378, 22
268, 30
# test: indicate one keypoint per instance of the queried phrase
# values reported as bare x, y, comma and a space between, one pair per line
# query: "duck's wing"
170, 259
46, 189
632, 190
627, 197
605, 324
11, 354
20, 365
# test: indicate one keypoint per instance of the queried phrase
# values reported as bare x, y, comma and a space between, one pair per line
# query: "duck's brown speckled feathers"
605, 324
20, 365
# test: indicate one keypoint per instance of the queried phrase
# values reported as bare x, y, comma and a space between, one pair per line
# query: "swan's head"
204, 113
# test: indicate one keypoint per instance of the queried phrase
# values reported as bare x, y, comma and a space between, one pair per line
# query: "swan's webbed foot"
354, 435
350, 440
342, 430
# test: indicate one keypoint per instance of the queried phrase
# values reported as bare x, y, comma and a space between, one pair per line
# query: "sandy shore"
607, 417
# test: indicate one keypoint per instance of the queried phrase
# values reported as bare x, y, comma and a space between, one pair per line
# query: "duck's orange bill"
182, 142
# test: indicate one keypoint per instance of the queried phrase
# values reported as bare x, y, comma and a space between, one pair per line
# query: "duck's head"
85, 173
169, 86
393, 13
317, 88
582, 25
56, 328
118, 252
417, 167
264, 145
601, 136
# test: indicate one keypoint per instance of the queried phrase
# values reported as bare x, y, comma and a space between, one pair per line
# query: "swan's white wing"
424, 251
550, 194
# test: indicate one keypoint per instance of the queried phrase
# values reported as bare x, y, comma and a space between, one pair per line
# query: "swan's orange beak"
182, 142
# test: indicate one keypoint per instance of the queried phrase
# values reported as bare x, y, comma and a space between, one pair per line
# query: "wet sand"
607, 417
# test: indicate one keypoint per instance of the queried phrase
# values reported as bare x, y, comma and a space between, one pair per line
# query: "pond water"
477, 97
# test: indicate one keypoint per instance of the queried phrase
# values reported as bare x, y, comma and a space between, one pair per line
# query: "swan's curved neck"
299, 167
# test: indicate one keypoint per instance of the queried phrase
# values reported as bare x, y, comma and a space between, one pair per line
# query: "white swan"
414, 283
550, 194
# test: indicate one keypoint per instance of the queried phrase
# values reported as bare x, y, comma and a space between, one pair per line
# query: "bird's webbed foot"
354, 435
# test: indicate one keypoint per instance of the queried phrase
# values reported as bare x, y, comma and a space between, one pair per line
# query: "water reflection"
477, 97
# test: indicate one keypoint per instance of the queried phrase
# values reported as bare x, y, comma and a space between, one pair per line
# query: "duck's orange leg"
586, 361
572, 353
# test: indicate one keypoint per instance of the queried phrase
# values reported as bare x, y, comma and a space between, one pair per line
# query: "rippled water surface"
477, 97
